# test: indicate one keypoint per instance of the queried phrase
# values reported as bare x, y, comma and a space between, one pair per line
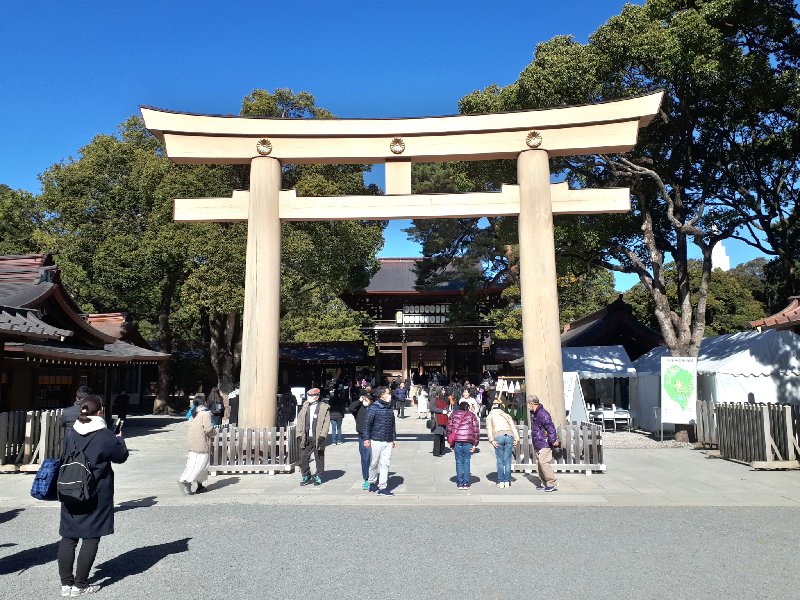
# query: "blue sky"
72, 70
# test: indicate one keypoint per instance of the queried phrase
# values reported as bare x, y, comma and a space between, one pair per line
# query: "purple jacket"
465, 427
543, 432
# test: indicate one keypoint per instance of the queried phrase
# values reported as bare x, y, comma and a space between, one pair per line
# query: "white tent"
594, 362
757, 366
603, 364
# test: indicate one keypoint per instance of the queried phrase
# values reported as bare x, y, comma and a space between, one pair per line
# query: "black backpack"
76, 482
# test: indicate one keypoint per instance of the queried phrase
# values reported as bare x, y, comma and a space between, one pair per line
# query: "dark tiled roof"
21, 323
398, 275
115, 353
788, 318
324, 352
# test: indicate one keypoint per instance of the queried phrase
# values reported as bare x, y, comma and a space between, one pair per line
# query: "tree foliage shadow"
138, 561
10, 514
140, 503
25, 559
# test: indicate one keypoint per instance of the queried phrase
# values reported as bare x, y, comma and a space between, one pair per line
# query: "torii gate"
529, 136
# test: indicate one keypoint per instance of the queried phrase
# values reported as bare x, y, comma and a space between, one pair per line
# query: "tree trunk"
160, 406
225, 347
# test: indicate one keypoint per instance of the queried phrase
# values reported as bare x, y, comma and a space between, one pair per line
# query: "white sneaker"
66, 590
500, 484
89, 589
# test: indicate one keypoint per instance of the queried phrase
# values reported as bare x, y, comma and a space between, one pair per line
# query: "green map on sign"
679, 385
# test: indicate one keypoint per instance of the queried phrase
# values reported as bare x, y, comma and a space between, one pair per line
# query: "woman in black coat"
90, 520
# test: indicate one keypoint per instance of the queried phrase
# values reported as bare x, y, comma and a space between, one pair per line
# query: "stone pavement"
651, 477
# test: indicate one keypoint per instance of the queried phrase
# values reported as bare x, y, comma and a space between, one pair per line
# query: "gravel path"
638, 439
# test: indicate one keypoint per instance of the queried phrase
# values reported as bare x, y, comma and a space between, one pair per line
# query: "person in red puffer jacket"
463, 433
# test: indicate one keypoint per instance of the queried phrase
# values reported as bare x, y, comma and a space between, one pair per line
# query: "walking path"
636, 477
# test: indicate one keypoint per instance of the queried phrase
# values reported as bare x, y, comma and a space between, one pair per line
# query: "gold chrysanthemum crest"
397, 145
264, 146
534, 139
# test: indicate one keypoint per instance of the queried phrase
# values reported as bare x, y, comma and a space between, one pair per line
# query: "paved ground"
661, 523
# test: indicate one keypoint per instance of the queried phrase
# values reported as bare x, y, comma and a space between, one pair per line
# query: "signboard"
423, 314
678, 389
574, 403
299, 394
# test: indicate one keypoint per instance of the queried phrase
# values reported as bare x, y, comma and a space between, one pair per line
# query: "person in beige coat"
200, 431
503, 435
313, 422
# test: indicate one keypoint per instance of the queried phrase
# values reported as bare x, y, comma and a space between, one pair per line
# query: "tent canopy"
743, 354
594, 362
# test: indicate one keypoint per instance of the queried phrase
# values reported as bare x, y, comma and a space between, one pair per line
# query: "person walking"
121, 404
90, 520
216, 405
336, 405
422, 403
381, 438
358, 408
313, 422
69, 415
544, 438
503, 435
463, 432
400, 395
201, 429
440, 408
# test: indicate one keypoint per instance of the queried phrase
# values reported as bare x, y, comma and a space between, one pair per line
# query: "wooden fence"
762, 435
581, 449
706, 423
268, 450
27, 438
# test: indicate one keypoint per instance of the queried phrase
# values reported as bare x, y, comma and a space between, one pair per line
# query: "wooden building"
612, 325
786, 319
62, 350
412, 329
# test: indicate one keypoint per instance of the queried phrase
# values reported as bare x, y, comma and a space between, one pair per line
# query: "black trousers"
438, 444
305, 459
401, 408
66, 559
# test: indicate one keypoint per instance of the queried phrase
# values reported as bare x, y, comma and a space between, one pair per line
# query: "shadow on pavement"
221, 483
331, 475
7, 545
394, 481
137, 426
136, 562
472, 480
141, 503
32, 557
10, 514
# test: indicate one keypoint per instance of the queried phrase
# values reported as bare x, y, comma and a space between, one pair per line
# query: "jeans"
336, 431
502, 453
66, 559
366, 457
463, 457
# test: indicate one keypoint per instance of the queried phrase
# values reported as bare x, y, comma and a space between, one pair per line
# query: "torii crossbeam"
529, 136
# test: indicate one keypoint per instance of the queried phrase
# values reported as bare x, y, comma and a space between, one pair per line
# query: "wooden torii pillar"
530, 137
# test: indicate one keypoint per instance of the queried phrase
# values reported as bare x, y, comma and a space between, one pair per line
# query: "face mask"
313, 399
365, 402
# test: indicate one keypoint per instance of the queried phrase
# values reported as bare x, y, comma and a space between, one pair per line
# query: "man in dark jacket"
544, 438
381, 438
400, 395
359, 408
70, 414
